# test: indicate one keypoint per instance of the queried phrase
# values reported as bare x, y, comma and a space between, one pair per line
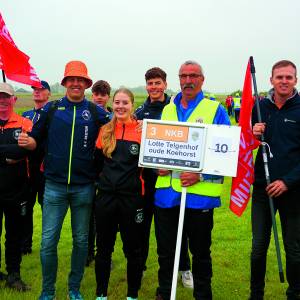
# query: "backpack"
91, 106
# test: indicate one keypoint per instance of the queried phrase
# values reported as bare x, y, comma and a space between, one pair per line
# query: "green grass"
230, 255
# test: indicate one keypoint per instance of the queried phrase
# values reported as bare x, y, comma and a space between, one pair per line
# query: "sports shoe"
13, 281
75, 295
46, 296
187, 279
130, 298
101, 298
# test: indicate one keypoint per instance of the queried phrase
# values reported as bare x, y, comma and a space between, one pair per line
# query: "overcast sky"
120, 39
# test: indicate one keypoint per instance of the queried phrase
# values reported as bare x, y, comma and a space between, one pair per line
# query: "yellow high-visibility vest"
204, 112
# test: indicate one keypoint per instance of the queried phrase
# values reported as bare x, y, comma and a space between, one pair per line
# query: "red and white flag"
241, 184
13, 61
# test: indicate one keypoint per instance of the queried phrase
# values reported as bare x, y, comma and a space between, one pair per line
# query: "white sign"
172, 145
221, 150
196, 147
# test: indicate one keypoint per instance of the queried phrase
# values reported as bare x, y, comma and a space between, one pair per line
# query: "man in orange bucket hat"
69, 127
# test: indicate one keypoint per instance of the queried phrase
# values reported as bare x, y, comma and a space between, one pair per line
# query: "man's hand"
259, 129
163, 172
188, 178
276, 188
26, 141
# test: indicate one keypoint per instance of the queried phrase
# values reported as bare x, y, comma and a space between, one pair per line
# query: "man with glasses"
188, 106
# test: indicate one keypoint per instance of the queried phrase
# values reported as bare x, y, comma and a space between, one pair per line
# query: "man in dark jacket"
70, 127
281, 127
13, 183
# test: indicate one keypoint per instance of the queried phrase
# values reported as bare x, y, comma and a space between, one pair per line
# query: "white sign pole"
178, 243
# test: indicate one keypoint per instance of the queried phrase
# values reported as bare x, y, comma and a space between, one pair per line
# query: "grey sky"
120, 39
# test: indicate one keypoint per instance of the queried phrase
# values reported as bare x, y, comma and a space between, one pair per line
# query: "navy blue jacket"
70, 141
151, 110
283, 136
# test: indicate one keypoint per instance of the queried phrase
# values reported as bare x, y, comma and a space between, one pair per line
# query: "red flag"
241, 184
13, 61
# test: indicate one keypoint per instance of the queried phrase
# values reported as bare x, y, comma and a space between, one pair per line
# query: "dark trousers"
237, 115
13, 223
92, 231
36, 190
229, 110
198, 225
184, 262
288, 206
126, 213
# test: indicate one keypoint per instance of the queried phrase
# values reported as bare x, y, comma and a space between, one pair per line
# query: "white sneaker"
187, 279
101, 298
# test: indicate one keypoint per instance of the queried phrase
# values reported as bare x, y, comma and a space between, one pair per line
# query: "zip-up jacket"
13, 177
70, 141
151, 110
120, 173
282, 134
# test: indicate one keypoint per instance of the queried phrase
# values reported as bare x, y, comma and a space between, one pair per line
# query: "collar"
270, 95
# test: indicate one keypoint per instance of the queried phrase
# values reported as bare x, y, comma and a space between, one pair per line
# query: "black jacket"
151, 110
283, 136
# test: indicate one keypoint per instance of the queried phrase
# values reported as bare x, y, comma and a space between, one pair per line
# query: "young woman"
119, 203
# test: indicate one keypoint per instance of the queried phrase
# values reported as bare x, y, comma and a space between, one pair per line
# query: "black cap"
45, 85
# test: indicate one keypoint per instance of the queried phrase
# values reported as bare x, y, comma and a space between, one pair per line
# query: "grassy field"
230, 256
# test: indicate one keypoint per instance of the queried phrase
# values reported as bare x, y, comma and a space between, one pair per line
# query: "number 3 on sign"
153, 131
221, 145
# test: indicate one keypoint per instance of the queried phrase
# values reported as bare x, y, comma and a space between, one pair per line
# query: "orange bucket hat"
77, 68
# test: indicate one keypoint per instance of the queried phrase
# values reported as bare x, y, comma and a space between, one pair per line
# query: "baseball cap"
78, 69
45, 85
6, 88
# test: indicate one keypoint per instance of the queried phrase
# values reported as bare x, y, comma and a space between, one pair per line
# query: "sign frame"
146, 123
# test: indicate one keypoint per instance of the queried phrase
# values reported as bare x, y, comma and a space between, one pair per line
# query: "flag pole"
178, 243
266, 167
3, 76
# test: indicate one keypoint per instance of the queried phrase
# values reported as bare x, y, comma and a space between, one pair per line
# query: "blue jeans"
57, 199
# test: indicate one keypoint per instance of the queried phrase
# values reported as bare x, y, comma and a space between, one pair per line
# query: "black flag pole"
3, 76
266, 167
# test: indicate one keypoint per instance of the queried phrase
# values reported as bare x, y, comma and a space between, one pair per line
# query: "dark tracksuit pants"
198, 225
288, 206
125, 212
36, 190
150, 180
13, 223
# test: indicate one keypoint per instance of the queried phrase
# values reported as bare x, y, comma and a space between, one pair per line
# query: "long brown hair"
108, 138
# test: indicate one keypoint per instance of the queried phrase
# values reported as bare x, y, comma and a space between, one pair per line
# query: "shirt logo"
139, 218
134, 149
16, 133
86, 115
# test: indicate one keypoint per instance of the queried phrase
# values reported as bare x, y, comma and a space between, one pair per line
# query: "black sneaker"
14, 281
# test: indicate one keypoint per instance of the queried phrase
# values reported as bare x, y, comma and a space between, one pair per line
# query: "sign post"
178, 243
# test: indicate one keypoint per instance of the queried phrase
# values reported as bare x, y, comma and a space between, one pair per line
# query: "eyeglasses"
192, 76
